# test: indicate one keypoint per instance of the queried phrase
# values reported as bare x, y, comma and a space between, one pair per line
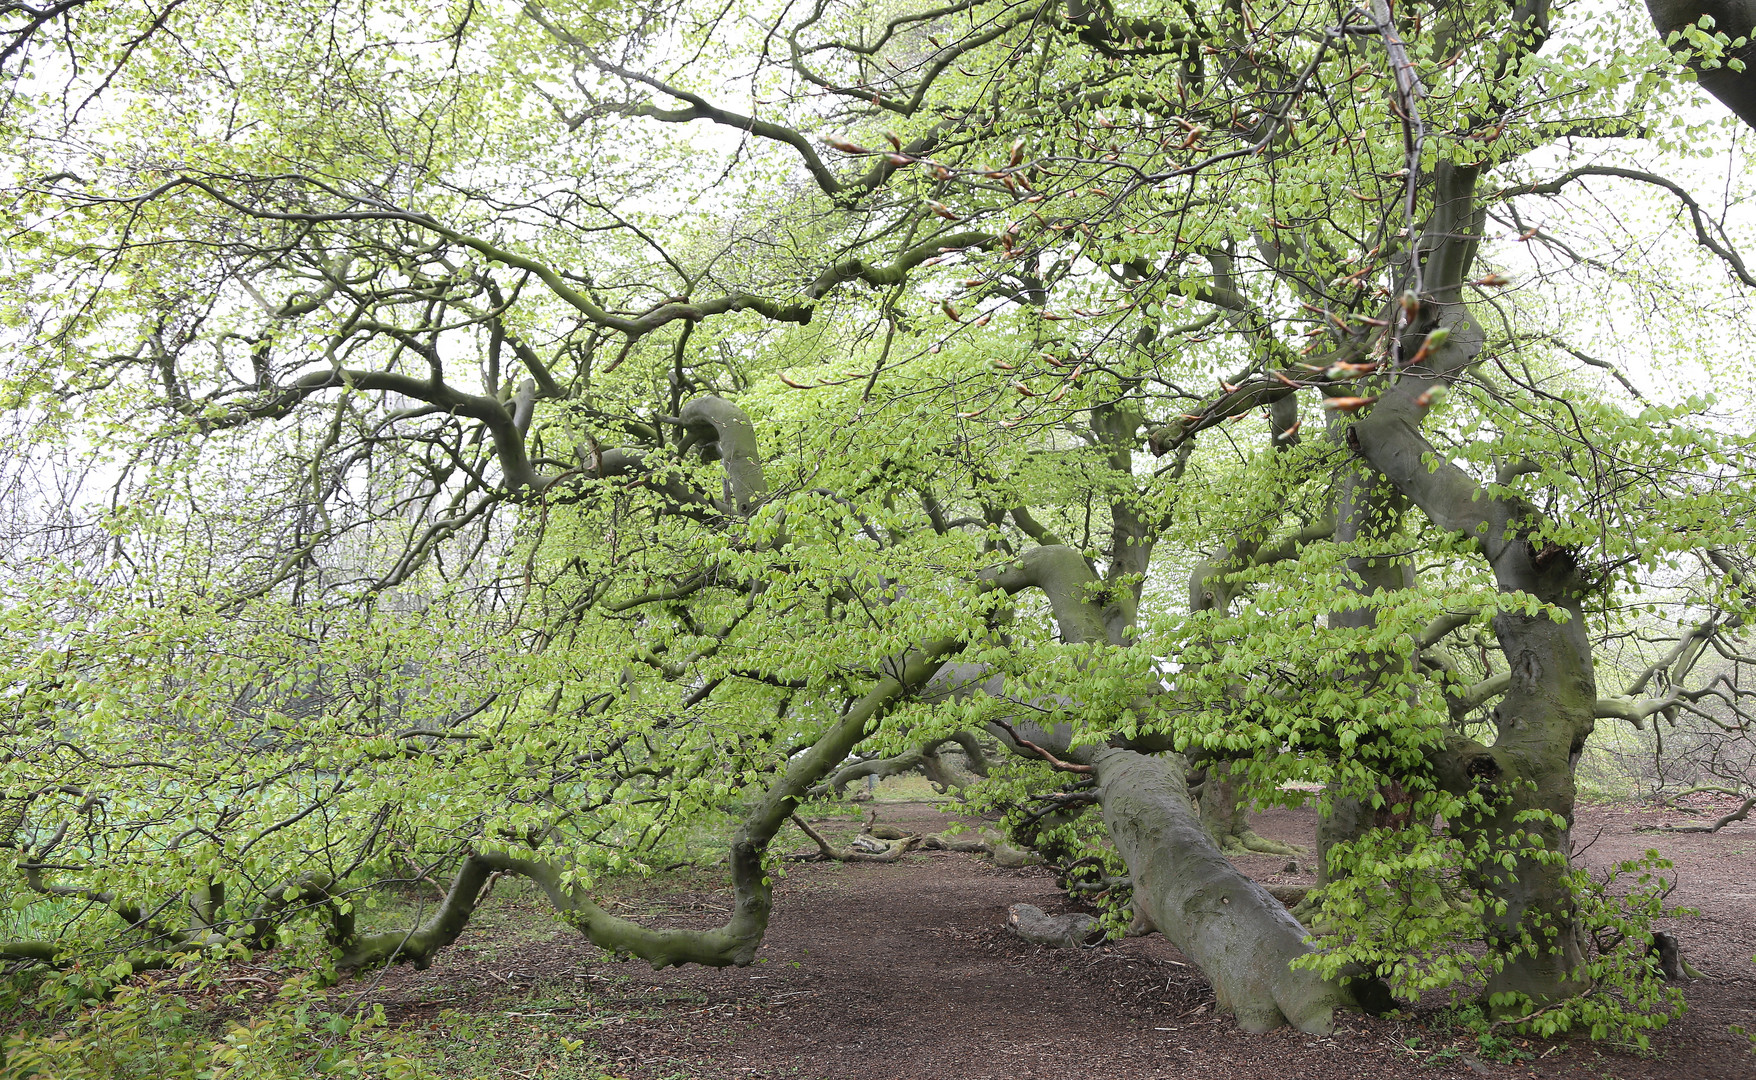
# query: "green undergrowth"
218, 1017
214, 1018
185, 1026
1467, 1032
555, 1031
197, 1023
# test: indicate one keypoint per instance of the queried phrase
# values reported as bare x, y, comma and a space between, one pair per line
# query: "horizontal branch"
1705, 227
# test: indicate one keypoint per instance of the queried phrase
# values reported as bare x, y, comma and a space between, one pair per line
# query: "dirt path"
903, 972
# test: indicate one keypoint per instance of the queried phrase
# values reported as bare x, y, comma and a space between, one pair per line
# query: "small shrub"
149, 1029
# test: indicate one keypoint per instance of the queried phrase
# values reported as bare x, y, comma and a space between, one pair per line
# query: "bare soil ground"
904, 972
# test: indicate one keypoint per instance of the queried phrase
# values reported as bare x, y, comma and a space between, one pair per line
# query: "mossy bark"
1549, 705
1224, 815
1542, 724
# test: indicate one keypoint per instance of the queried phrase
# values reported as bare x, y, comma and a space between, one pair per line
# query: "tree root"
1290, 895
878, 851
981, 843
1003, 854
1222, 812
1665, 952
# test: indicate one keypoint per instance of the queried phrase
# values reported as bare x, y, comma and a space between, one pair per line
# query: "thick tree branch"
1736, 90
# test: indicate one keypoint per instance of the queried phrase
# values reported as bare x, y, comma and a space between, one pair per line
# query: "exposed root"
1665, 952
885, 843
1003, 854
1142, 924
877, 851
1290, 895
1306, 909
1222, 812
981, 843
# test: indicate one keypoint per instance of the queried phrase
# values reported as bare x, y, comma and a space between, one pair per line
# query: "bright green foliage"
534, 438
1406, 906
153, 1029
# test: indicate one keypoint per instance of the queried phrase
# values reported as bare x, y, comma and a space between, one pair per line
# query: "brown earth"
904, 972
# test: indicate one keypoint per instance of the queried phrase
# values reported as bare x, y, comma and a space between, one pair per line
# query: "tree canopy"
521, 439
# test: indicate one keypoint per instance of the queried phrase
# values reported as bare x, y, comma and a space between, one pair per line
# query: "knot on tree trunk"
1482, 769
1527, 671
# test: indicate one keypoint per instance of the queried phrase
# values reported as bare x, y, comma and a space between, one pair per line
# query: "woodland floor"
904, 972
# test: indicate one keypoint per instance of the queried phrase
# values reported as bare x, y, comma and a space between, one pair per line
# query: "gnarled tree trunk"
1242, 939
1549, 706
1239, 936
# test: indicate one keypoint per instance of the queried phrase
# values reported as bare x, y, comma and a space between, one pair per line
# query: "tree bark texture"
1736, 90
1242, 939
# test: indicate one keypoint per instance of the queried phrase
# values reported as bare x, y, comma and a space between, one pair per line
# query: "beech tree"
535, 435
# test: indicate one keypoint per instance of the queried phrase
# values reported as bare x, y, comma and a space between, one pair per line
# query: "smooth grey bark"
1544, 718
724, 433
1240, 936
1736, 90
1550, 702
1242, 939
721, 431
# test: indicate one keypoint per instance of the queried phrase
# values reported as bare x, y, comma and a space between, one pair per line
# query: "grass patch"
911, 788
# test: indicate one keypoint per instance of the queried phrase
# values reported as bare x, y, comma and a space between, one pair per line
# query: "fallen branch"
1740, 814
901, 843
1000, 851
894, 851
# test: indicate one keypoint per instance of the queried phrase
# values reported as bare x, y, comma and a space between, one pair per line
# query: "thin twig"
1065, 766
